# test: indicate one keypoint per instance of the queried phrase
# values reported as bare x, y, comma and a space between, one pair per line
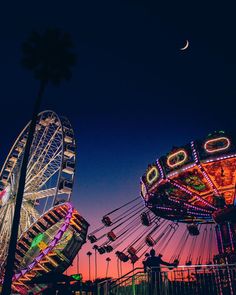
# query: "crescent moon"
186, 46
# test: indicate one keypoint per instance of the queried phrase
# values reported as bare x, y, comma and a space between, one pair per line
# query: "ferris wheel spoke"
38, 151
25, 219
6, 230
40, 194
46, 141
37, 146
41, 178
40, 157
3, 214
41, 134
32, 212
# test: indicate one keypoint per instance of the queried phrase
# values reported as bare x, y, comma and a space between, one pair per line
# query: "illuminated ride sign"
217, 144
192, 176
152, 175
177, 158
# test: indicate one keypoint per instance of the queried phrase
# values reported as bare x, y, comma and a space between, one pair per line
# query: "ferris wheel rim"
73, 223
55, 240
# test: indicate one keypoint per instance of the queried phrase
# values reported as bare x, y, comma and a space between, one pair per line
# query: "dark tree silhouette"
89, 265
48, 55
108, 259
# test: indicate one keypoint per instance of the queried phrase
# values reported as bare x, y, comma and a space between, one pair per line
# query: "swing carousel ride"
51, 231
187, 209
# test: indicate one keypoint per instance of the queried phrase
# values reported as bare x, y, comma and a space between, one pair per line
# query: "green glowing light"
77, 277
37, 240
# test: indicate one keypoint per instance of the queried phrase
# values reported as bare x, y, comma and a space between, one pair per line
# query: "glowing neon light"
217, 144
37, 240
143, 189
177, 158
152, 175
160, 168
52, 244
77, 277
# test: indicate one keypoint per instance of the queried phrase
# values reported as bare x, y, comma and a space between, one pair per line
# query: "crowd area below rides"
187, 208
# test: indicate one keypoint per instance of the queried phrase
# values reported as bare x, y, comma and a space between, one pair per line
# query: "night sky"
133, 94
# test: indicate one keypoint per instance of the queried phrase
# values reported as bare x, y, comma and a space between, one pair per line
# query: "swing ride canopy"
193, 185
195, 182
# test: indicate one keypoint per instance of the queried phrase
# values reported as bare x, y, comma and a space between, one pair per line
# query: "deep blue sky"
133, 94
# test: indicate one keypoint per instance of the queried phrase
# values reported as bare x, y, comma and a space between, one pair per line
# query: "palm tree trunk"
107, 268
96, 265
6, 288
89, 269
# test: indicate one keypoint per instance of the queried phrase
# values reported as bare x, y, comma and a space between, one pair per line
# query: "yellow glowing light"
152, 175
177, 158
42, 245
211, 145
143, 190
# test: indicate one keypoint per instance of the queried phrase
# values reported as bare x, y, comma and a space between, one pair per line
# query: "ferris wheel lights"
75, 224
24, 271
69, 151
39, 257
69, 167
46, 251
17, 276
68, 136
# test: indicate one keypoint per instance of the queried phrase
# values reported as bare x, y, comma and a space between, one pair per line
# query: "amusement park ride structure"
51, 231
187, 205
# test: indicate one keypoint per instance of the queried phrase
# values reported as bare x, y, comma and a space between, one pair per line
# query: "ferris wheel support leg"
7, 282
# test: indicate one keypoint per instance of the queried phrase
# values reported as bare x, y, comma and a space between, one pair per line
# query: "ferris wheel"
49, 179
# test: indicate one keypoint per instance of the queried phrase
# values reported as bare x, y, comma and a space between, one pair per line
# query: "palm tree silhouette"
48, 55
95, 247
89, 255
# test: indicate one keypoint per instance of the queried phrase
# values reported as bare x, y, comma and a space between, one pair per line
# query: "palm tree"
48, 55
95, 247
108, 259
89, 255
